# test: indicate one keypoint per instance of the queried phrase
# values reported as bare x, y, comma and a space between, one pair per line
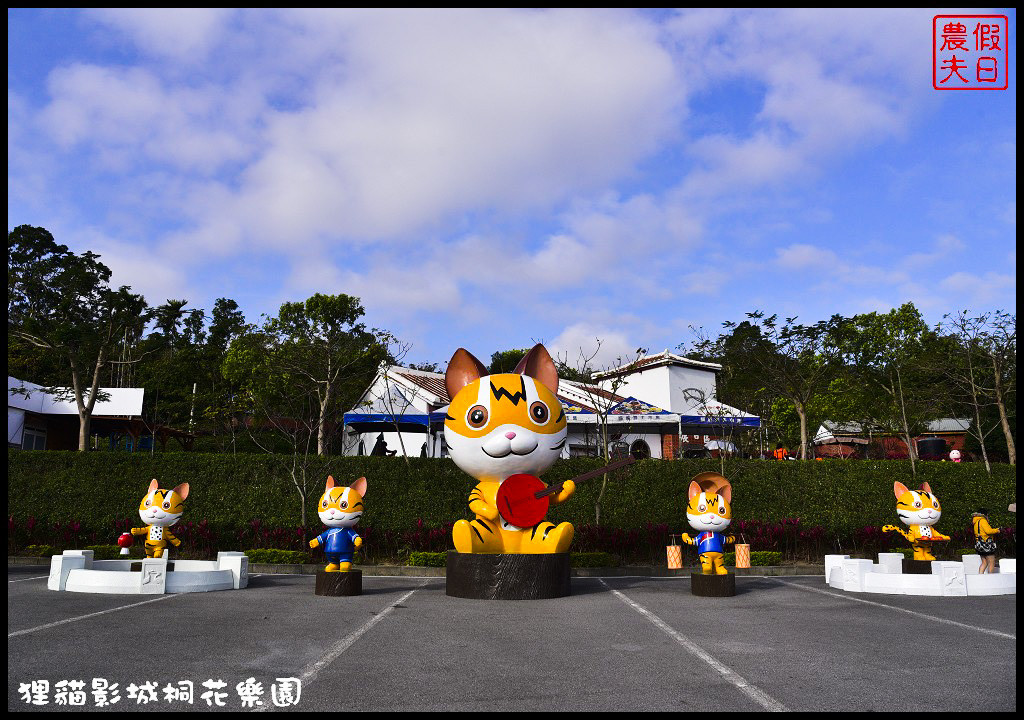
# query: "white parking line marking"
310, 672
975, 628
41, 577
83, 617
752, 691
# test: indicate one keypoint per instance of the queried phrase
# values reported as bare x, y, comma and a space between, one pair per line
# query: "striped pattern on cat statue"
919, 510
709, 512
498, 426
160, 509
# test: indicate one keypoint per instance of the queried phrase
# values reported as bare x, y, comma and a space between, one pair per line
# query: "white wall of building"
15, 425
122, 401
701, 384
651, 385
666, 386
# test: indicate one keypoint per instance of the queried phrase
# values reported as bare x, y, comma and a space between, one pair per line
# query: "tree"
600, 398
505, 361
741, 383
794, 361
888, 353
321, 345
278, 414
61, 302
980, 365
996, 342
297, 372
393, 399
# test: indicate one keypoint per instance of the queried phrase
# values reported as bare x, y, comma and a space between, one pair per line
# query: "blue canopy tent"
380, 422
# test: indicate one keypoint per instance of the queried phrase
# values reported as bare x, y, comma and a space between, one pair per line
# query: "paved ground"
616, 644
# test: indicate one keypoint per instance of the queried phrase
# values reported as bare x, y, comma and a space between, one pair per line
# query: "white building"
660, 406
41, 421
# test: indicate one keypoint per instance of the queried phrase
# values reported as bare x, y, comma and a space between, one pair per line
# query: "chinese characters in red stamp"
970, 52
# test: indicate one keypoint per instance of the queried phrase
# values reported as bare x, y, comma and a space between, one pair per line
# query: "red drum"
518, 503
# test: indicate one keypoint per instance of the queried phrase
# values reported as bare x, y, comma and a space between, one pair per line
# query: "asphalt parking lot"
634, 644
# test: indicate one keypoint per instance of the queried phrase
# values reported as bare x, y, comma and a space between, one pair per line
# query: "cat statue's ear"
359, 486
182, 490
154, 485
898, 489
462, 370
330, 483
694, 490
538, 364
726, 492
927, 488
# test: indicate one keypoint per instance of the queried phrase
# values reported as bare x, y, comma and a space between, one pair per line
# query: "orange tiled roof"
431, 382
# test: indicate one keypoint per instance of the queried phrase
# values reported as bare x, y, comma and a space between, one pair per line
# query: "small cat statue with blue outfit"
340, 509
709, 512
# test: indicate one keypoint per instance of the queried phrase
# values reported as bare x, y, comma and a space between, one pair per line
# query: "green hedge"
278, 557
592, 560
41, 550
428, 559
758, 558
104, 552
98, 488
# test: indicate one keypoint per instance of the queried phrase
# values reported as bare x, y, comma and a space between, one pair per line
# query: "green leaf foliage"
278, 557
592, 560
428, 559
97, 489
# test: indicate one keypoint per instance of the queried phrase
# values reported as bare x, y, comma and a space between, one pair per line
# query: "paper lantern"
675, 556
742, 556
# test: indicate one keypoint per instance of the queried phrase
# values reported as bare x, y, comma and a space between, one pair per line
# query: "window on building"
580, 450
33, 439
640, 450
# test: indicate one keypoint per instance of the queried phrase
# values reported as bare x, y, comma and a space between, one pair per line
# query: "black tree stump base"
507, 577
339, 584
713, 585
917, 567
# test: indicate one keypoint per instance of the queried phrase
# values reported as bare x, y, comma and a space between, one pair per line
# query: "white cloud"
980, 291
800, 256
184, 34
430, 114
606, 347
945, 246
128, 116
150, 274
832, 84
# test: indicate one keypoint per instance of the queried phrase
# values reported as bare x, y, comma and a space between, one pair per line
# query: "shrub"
278, 557
592, 560
104, 552
41, 550
802, 509
758, 558
762, 558
428, 559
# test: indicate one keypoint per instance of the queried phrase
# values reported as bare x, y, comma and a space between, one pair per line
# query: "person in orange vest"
780, 452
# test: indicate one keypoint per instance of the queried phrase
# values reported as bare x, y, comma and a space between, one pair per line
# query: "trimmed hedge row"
100, 489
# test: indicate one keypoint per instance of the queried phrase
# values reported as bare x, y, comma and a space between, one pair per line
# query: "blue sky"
492, 178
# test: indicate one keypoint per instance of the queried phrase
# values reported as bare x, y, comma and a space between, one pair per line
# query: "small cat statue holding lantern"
708, 511
340, 509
